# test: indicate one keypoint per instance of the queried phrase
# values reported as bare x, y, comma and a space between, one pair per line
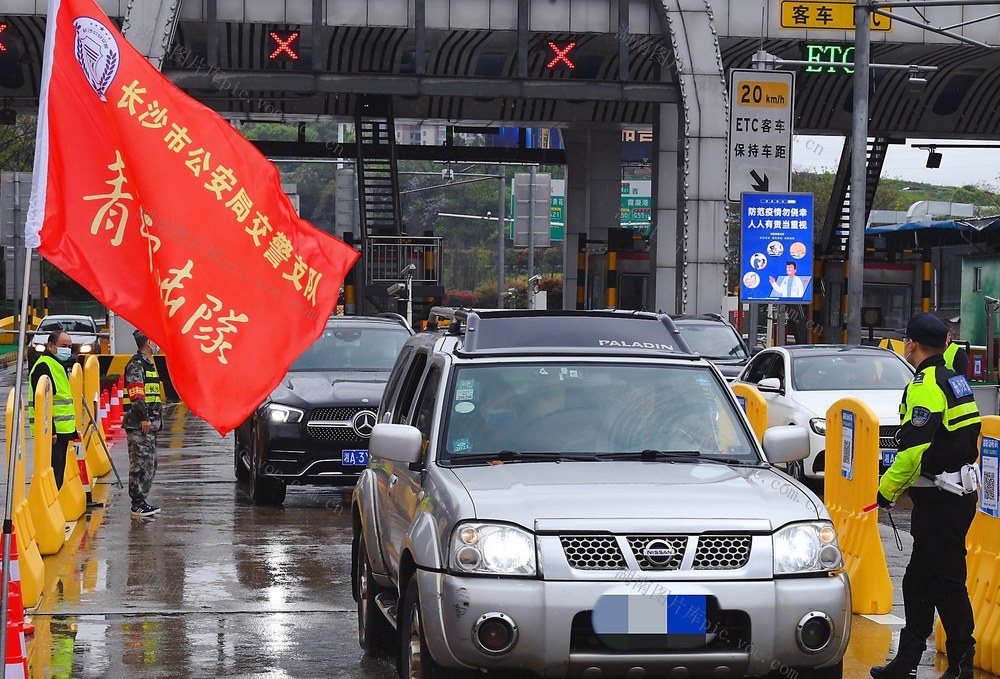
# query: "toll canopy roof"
973, 225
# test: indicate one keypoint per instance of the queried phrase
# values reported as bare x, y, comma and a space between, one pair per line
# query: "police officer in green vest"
52, 363
938, 447
955, 357
143, 419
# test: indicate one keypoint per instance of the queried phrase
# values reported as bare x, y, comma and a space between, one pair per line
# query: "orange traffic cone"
115, 409
16, 666
15, 602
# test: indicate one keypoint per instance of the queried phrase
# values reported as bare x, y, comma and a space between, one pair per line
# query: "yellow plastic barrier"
894, 344
754, 406
852, 459
29, 560
72, 497
43, 500
97, 460
983, 560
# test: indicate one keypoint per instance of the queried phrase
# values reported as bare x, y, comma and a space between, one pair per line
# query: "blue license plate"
354, 458
887, 457
654, 612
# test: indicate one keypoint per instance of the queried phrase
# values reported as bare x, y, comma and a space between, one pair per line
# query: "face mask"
155, 348
64, 353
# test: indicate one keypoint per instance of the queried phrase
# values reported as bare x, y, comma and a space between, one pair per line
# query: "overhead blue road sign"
776, 262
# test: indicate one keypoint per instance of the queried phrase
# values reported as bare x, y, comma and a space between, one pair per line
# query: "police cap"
928, 330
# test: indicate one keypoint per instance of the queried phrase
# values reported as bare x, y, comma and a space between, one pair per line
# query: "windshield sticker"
574, 373
634, 345
464, 407
461, 445
465, 390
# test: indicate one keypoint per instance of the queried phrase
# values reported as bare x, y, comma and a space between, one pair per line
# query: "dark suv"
716, 340
315, 426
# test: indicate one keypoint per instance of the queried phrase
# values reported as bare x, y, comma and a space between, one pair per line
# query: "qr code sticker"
990, 485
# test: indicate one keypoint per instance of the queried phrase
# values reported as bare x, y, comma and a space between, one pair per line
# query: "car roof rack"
523, 331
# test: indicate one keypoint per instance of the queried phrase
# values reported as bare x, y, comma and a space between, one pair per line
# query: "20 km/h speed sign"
761, 105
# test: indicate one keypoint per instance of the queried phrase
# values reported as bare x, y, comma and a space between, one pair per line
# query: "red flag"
173, 220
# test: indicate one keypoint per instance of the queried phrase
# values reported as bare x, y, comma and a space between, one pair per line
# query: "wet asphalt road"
215, 587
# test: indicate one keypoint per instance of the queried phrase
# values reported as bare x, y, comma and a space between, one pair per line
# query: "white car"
82, 331
801, 382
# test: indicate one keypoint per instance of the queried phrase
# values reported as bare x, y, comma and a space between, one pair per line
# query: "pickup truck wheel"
415, 661
375, 635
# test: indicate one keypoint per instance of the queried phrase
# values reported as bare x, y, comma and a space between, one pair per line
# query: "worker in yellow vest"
955, 357
52, 363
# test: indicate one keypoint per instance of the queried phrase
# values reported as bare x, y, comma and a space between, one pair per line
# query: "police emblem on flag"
97, 51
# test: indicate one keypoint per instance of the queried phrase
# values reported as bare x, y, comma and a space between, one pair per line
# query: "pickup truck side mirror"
786, 444
396, 442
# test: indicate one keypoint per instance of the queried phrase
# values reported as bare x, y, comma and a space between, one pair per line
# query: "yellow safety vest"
949, 356
63, 412
151, 387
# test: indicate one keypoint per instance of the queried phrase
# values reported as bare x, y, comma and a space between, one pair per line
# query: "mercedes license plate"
354, 458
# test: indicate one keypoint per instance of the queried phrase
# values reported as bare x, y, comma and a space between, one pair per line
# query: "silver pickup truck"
576, 494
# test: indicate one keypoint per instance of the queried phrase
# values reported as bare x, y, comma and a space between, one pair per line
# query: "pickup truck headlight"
492, 549
818, 425
806, 548
283, 414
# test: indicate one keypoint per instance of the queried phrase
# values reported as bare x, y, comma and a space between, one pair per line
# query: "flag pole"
15, 450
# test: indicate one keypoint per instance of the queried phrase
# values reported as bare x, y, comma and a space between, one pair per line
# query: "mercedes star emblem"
363, 423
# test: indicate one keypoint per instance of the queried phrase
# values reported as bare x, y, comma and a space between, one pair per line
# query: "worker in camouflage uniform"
143, 419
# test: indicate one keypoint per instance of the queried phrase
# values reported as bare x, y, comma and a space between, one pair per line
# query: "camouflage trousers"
141, 464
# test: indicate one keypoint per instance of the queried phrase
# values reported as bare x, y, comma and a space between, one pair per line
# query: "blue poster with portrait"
776, 261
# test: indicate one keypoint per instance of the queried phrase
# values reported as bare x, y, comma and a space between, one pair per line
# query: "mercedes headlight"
818, 425
283, 414
492, 549
806, 548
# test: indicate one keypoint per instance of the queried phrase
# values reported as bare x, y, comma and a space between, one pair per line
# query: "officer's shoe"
960, 657
904, 665
145, 510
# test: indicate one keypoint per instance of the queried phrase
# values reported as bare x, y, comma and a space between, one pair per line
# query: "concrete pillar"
689, 249
593, 194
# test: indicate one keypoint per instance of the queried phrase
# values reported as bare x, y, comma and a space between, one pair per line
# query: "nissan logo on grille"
659, 552
363, 423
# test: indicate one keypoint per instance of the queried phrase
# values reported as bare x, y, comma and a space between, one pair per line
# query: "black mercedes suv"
314, 427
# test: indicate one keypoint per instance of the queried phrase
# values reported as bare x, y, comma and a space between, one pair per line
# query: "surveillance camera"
917, 81
396, 290
408, 270
447, 174
534, 279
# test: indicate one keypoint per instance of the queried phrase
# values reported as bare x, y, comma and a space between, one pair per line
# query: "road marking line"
887, 619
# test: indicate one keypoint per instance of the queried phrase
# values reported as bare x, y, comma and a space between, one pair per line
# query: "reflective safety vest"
63, 412
151, 387
949, 356
939, 429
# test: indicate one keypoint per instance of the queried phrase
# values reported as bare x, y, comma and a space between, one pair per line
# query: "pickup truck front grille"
722, 552
593, 552
657, 552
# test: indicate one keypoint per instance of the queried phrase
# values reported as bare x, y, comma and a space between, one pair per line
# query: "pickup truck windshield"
592, 408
